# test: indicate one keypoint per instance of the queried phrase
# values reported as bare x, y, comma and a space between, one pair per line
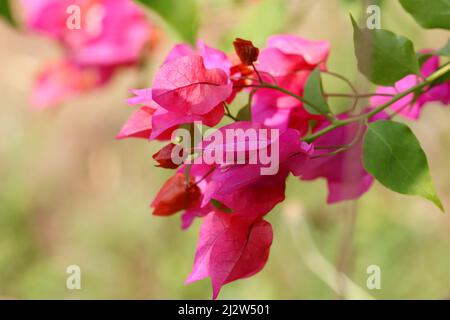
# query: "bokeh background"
71, 194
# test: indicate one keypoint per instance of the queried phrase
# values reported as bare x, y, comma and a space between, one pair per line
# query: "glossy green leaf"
393, 155
384, 57
429, 13
181, 16
313, 93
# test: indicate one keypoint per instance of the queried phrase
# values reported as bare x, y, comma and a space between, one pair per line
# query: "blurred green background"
71, 194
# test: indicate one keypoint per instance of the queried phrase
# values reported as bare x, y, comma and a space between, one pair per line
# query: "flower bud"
246, 51
176, 195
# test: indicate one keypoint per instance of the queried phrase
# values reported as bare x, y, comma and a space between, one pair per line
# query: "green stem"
339, 123
228, 113
360, 95
296, 96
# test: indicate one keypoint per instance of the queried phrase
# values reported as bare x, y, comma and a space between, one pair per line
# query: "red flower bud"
164, 157
246, 51
176, 195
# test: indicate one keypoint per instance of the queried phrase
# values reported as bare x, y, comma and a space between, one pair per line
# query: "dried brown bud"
246, 51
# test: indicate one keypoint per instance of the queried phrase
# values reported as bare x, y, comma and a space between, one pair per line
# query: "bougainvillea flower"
278, 110
48, 17
60, 80
409, 106
139, 125
142, 97
176, 195
231, 247
164, 120
112, 32
286, 56
164, 157
186, 86
201, 208
184, 91
273, 108
346, 176
212, 57
154, 122
287, 61
196, 211
239, 186
311, 53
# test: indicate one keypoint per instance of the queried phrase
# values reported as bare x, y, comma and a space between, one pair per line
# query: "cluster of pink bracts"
111, 34
193, 84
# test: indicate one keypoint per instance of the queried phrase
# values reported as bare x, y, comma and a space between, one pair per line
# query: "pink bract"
186, 86
407, 106
185, 90
287, 56
113, 32
154, 122
278, 110
230, 247
287, 61
212, 58
139, 125
61, 80
239, 186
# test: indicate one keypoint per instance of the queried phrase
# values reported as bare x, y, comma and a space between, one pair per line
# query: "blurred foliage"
258, 21
181, 16
6, 13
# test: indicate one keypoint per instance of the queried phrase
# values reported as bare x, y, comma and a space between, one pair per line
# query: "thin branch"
228, 113
442, 71
349, 83
313, 258
343, 147
360, 95
257, 73
345, 249
265, 85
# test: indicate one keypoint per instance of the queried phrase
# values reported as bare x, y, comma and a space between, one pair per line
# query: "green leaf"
393, 155
423, 57
384, 57
245, 113
181, 16
444, 52
5, 12
429, 13
313, 93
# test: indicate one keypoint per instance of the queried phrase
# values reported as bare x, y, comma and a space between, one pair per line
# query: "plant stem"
314, 260
296, 96
228, 113
359, 95
442, 71
345, 250
349, 83
257, 73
